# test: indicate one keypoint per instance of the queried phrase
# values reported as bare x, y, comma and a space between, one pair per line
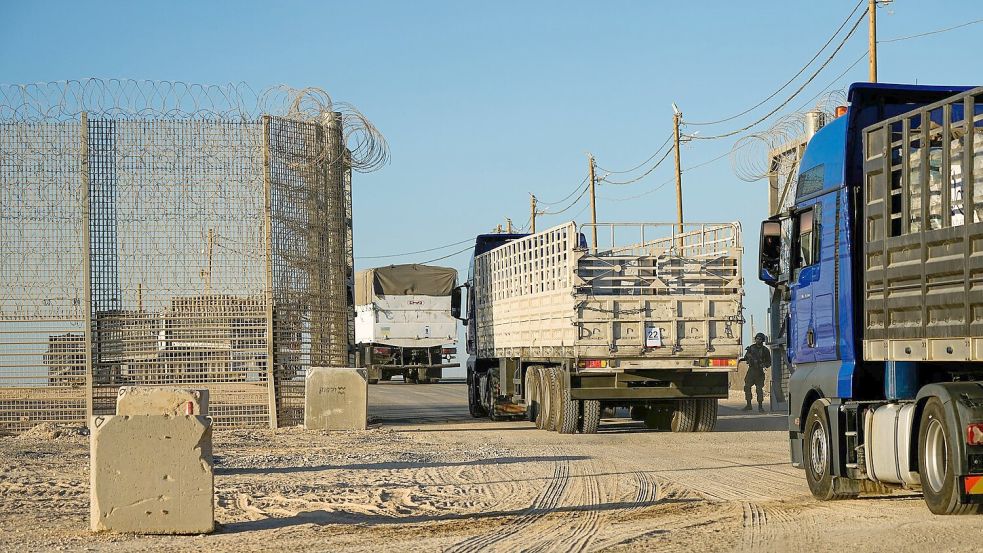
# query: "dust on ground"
460, 485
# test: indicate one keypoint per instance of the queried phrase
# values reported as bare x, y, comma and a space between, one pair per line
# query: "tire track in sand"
545, 502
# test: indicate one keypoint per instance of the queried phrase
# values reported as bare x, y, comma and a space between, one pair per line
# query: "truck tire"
373, 381
531, 391
706, 415
936, 468
551, 398
569, 409
590, 416
817, 454
474, 395
684, 416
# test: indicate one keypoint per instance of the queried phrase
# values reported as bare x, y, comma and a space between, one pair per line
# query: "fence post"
268, 232
86, 264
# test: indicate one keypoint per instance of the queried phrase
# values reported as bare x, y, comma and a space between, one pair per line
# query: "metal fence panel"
172, 234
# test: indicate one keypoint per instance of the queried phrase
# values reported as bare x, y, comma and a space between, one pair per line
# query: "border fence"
171, 234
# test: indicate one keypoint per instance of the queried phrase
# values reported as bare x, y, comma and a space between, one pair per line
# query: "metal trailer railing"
923, 223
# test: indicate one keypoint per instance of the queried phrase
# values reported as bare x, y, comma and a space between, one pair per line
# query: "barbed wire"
132, 100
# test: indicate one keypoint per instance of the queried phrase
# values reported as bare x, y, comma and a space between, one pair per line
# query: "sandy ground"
429, 478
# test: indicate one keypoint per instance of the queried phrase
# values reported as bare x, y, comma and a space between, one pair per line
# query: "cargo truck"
557, 330
880, 258
403, 325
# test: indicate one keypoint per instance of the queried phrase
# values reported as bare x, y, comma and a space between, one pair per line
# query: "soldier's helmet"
760, 336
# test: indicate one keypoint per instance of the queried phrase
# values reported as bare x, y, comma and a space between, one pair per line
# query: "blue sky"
483, 103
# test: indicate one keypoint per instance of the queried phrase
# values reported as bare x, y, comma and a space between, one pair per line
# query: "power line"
835, 80
580, 197
413, 253
788, 82
448, 255
538, 201
673, 179
650, 158
935, 32
794, 94
643, 175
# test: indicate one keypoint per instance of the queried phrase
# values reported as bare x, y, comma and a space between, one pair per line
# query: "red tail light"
723, 362
448, 351
974, 433
593, 363
382, 351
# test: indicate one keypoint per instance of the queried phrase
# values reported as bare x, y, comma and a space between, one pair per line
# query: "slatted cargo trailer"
649, 319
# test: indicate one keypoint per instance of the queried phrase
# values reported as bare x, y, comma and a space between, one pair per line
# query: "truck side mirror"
769, 252
456, 302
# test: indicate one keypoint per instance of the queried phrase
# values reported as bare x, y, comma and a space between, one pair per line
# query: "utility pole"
508, 225
676, 117
593, 202
872, 38
532, 204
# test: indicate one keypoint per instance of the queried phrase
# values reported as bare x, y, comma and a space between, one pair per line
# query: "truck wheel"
684, 416
706, 415
591, 416
551, 399
387, 377
542, 414
817, 454
474, 395
569, 409
531, 391
936, 468
373, 381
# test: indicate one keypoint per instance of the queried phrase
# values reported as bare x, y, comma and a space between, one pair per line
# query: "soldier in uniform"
758, 359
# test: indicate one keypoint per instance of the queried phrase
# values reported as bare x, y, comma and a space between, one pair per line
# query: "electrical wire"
788, 82
643, 175
670, 180
469, 248
580, 197
568, 196
794, 94
935, 32
650, 158
413, 253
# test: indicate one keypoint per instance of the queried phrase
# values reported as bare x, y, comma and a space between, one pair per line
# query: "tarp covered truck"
881, 257
557, 330
403, 323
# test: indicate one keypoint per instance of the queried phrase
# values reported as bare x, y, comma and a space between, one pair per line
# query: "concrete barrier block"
151, 474
161, 400
336, 399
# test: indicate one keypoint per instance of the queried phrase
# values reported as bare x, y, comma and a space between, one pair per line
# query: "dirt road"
429, 478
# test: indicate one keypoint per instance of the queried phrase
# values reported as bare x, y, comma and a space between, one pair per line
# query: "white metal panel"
408, 321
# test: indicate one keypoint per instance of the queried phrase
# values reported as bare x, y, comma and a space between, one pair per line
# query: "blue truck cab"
858, 221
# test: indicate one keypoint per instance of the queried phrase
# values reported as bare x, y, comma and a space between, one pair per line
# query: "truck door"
805, 275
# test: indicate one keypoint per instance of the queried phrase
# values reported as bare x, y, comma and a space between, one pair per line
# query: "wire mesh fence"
147, 240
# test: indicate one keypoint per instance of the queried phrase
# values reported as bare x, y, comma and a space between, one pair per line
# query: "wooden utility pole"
593, 202
872, 38
532, 204
676, 117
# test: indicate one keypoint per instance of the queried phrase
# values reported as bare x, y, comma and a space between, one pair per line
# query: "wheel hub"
818, 450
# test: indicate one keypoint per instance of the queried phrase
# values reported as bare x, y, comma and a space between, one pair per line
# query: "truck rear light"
974, 433
448, 351
593, 363
723, 362
382, 351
